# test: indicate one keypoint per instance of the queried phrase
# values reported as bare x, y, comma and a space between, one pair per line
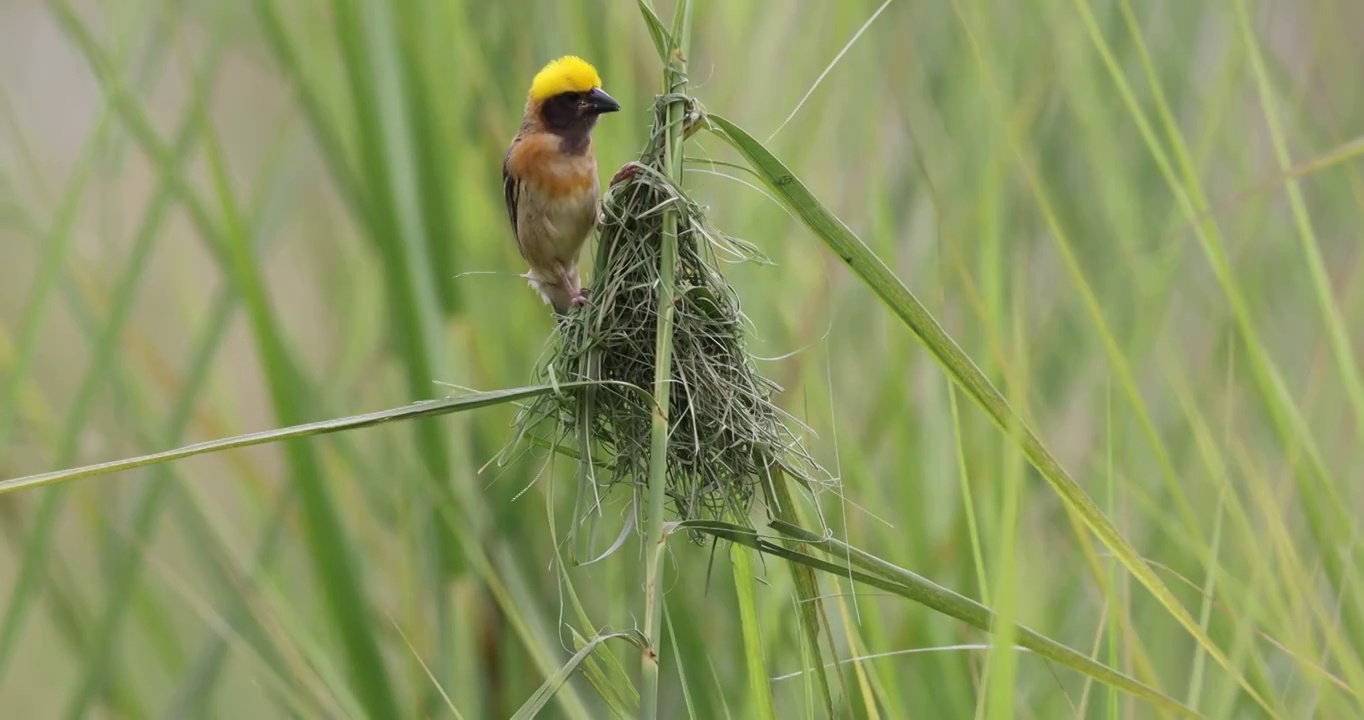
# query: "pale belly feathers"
552, 230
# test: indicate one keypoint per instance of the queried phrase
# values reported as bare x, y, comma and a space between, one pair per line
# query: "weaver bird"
549, 177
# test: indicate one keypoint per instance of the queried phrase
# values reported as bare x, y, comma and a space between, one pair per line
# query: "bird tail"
553, 292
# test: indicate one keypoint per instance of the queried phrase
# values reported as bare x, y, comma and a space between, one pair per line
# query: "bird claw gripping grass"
724, 431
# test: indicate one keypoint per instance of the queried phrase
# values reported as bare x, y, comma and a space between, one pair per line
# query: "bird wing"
511, 189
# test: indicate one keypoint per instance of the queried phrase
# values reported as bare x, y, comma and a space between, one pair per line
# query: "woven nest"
724, 431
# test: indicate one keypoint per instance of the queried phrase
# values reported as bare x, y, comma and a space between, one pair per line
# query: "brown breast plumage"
552, 198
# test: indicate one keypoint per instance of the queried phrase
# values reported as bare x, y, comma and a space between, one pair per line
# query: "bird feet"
625, 172
579, 298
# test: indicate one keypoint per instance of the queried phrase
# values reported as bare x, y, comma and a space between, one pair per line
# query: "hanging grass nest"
724, 431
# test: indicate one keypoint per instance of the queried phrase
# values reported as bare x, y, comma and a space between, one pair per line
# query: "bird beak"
599, 102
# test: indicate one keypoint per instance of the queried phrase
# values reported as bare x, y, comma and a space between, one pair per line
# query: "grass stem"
675, 82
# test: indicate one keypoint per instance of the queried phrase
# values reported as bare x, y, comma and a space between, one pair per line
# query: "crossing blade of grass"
407, 177
196, 688
120, 308
472, 511
50, 273
424, 409
149, 505
1341, 350
279, 677
55, 248
435, 163
1195, 689
1155, 280
869, 685
331, 554
873, 271
613, 682
873, 571
545, 693
285, 381
662, 39
38, 540
1327, 520
129, 563
617, 691
755, 660
324, 129
397, 227
777, 488
329, 543
1322, 502
303, 645
417, 410
403, 192
513, 593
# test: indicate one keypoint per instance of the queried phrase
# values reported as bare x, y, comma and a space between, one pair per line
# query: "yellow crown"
567, 74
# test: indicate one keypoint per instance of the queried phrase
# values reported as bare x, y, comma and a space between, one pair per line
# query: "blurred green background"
1141, 219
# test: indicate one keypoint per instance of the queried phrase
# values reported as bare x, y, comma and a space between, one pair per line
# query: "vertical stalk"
810, 605
675, 84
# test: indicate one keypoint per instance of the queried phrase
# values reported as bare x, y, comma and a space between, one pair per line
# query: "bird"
549, 177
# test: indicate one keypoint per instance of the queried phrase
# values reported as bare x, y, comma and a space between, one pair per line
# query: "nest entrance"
724, 430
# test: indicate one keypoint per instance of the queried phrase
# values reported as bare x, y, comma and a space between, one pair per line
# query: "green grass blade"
545, 693
405, 188
192, 698
886, 576
1341, 349
613, 682
122, 591
405, 218
102, 358
324, 131
675, 83
659, 34
687, 697
755, 660
1001, 664
1186, 360
151, 501
36, 562
434, 166
874, 272
55, 248
424, 409
777, 486
329, 543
